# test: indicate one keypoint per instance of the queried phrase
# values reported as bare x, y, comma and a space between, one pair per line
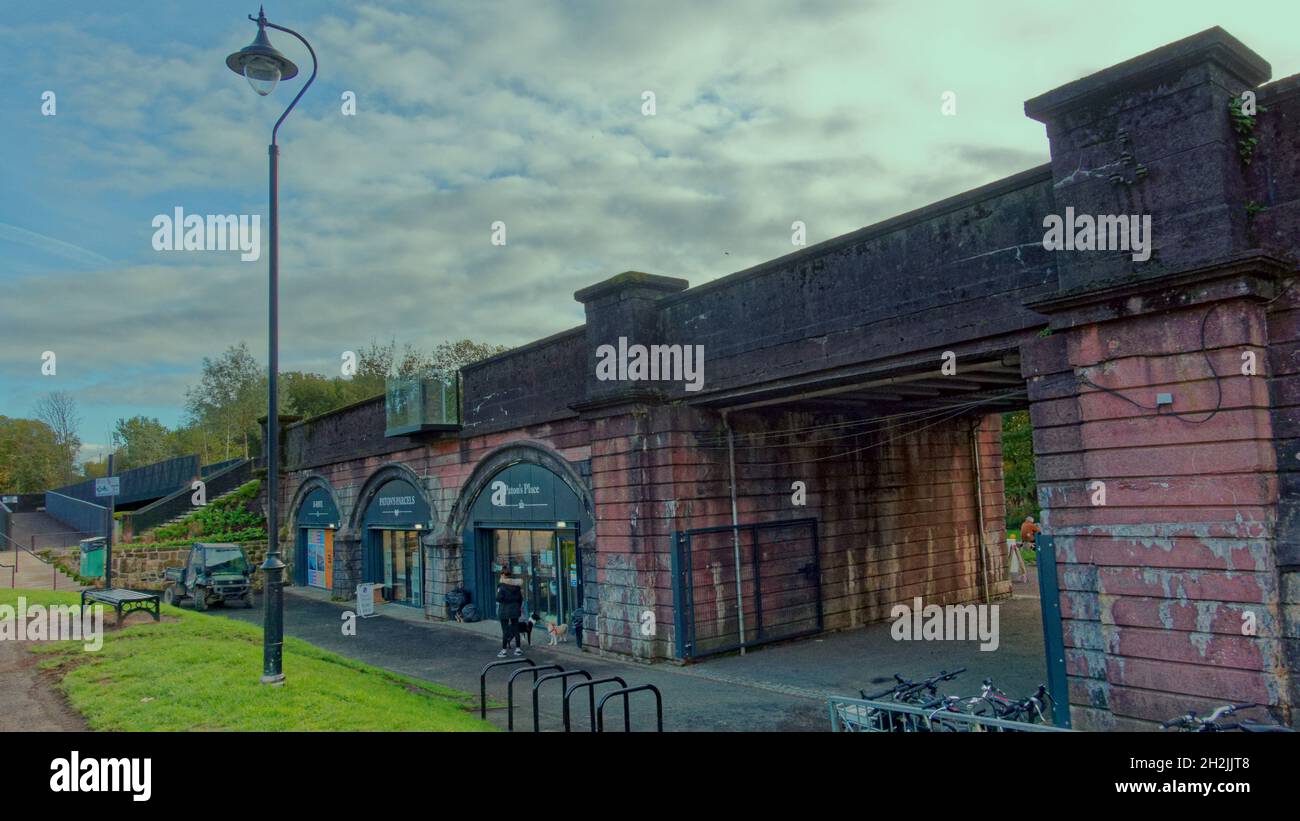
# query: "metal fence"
742, 586
231, 475
84, 517
142, 483
859, 715
5, 535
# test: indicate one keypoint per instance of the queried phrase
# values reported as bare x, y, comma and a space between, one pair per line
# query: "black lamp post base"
275, 680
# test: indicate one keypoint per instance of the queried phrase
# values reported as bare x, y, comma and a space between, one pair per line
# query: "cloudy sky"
467, 113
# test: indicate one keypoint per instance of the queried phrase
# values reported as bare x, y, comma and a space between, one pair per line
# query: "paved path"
773, 689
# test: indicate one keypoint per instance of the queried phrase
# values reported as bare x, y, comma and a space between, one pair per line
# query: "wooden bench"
123, 601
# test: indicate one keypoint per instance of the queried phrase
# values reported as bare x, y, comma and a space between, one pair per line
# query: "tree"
31, 458
449, 357
140, 441
310, 394
58, 410
229, 398
1019, 481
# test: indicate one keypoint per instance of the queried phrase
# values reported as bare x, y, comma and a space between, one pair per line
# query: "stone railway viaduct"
823, 367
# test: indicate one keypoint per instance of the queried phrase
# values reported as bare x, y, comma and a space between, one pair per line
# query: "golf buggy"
213, 573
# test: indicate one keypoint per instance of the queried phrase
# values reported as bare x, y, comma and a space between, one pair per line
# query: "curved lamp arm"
275, 131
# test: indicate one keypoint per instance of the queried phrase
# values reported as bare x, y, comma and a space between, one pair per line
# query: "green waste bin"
92, 558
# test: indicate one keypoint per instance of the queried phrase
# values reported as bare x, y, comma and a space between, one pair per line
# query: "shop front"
529, 520
396, 520
317, 519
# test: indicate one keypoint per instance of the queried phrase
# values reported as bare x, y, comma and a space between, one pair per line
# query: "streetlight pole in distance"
264, 67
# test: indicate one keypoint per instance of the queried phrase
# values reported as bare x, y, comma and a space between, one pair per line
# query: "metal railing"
18, 550
859, 715
5, 513
146, 482
84, 517
230, 476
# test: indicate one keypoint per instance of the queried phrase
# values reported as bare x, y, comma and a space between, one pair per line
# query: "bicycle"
1190, 722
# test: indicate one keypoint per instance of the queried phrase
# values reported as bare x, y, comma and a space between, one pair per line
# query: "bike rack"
482, 681
592, 692
627, 718
510, 689
537, 682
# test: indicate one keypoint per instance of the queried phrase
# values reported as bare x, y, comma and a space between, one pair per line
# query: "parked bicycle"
1190, 722
913, 691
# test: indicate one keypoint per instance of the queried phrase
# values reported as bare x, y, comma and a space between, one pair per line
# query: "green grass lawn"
201, 673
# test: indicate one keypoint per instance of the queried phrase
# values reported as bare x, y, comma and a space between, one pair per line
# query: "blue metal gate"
773, 594
1049, 594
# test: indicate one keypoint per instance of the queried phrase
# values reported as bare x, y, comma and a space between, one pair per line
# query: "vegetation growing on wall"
1244, 125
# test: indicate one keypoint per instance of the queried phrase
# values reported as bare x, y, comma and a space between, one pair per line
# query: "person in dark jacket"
510, 600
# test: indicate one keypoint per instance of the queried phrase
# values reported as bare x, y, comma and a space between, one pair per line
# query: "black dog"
525, 627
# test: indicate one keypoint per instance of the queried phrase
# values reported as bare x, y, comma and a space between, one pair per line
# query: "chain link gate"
779, 582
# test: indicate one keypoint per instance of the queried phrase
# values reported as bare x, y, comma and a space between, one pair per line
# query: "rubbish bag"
455, 600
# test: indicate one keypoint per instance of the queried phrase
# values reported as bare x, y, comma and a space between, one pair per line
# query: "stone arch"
383, 474
312, 482
520, 451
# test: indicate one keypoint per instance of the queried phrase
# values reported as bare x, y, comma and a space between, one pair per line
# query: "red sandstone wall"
897, 518
1154, 583
1283, 368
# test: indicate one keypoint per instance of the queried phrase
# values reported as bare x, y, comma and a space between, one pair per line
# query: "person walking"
510, 600
1028, 530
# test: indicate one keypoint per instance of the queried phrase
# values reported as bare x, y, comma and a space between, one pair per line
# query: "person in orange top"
1028, 529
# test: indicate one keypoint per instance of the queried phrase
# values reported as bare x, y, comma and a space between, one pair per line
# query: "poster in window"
320, 550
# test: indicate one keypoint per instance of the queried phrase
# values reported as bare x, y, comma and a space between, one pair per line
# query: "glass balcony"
418, 404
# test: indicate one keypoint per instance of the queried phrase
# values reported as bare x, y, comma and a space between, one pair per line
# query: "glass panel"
415, 568
569, 581
386, 550
546, 592
403, 567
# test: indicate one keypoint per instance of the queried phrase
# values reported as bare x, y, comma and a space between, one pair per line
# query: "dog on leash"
526, 630
559, 632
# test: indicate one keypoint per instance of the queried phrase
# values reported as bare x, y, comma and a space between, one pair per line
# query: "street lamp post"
263, 66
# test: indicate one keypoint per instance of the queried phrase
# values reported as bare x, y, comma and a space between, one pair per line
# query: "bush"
223, 520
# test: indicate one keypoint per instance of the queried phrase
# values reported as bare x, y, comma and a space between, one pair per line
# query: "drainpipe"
735, 529
979, 505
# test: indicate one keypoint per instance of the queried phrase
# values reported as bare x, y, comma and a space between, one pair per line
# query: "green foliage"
228, 400
223, 520
1019, 481
31, 457
1244, 125
139, 441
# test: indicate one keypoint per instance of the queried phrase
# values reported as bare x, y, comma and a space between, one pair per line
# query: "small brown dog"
559, 632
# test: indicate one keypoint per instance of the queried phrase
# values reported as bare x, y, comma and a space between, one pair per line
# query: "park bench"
123, 601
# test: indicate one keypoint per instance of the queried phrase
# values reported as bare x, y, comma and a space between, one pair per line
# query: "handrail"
482, 681
73, 498
510, 690
562, 676
592, 692
627, 719
148, 516
13, 568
